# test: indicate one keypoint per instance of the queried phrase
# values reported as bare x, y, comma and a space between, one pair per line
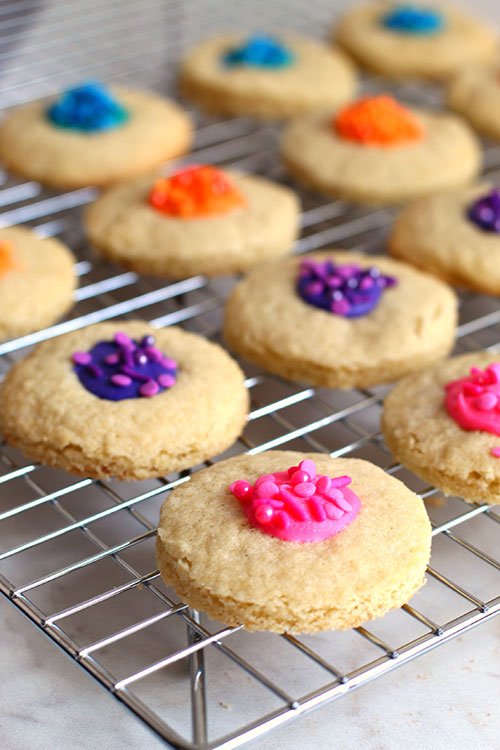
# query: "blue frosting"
413, 19
259, 51
89, 108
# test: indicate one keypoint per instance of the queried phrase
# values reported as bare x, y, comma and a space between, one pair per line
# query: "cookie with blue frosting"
92, 134
414, 39
268, 76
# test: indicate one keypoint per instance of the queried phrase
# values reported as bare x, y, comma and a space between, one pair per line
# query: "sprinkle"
484, 212
166, 380
264, 514
149, 389
81, 358
121, 380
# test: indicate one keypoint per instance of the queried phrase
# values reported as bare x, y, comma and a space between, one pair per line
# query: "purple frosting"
348, 290
124, 368
485, 212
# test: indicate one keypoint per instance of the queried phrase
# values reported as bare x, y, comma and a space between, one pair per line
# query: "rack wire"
77, 555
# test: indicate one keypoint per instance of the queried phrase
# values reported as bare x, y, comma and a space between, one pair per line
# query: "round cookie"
156, 130
460, 42
475, 94
436, 234
423, 436
317, 78
47, 411
267, 322
37, 281
125, 228
219, 563
447, 155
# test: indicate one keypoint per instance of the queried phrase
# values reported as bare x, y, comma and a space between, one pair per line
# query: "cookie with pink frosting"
444, 425
292, 542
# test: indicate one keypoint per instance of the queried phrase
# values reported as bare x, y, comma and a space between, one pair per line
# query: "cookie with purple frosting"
454, 235
340, 319
124, 400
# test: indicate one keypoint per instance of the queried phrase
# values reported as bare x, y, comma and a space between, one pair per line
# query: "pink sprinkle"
264, 478
298, 477
121, 380
111, 359
486, 401
264, 514
149, 389
309, 467
341, 481
495, 371
266, 489
316, 508
472, 389
333, 494
166, 380
305, 489
292, 470
342, 503
81, 358
323, 484
495, 452
333, 512
281, 520
241, 489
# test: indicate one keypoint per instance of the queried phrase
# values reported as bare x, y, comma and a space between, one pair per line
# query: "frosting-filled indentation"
378, 121
259, 51
414, 20
123, 368
347, 290
195, 191
298, 505
89, 108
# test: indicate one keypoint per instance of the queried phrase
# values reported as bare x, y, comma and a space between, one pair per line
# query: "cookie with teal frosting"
93, 134
414, 39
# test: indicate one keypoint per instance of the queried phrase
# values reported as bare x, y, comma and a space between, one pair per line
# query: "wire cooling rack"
77, 556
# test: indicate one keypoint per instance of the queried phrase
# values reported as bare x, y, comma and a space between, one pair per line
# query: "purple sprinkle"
122, 339
81, 358
155, 354
148, 341
166, 380
314, 287
340, 307
168, 363
149, 389
122, 380
134, 374
112, 359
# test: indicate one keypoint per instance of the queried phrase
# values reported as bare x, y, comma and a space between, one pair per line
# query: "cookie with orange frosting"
292, 542
444, 424
37, 281
200, 219
376, 150
414, 39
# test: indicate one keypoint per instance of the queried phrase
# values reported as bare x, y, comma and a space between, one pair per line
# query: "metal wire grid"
77, 555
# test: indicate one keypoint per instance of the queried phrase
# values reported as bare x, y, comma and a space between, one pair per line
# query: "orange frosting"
194, 192
378, 121
7, 261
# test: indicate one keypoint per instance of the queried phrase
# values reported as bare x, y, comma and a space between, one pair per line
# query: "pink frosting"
474, 401
298, 505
